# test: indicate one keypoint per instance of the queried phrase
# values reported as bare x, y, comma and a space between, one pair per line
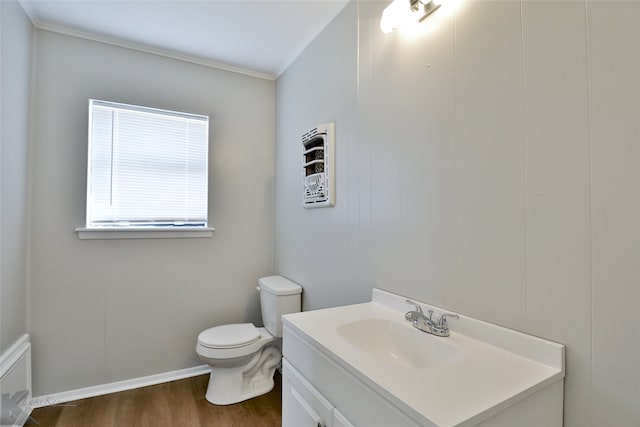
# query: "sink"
380, 371
400, 344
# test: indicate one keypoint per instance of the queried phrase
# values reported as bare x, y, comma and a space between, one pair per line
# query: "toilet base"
219, 396
232, 385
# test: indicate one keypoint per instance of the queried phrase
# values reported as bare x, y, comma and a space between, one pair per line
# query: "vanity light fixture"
402, 12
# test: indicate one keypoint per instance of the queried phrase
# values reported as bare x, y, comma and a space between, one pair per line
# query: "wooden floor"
173, 404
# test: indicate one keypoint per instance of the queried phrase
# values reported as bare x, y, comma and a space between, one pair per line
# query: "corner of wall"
30, 144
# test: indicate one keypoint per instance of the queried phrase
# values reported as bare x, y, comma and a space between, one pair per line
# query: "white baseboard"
9, 358
15, 383
98, 390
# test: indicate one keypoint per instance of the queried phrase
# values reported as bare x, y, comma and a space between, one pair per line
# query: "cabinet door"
340, 420
303, 405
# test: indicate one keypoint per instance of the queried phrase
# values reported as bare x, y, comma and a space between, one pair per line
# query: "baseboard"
9, 358
15, 383
99, 390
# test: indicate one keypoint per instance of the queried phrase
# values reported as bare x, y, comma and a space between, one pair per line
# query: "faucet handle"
442, 320
418, 308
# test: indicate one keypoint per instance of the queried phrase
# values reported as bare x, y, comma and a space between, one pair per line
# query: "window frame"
146, 231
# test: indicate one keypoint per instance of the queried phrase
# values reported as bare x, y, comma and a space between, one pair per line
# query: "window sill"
143, 233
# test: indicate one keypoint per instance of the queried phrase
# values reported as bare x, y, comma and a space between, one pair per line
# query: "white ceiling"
260, 37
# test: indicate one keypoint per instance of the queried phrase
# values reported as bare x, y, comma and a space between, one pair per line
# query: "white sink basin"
399, 344
462, 380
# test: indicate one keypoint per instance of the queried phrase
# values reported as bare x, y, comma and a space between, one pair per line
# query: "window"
147, 168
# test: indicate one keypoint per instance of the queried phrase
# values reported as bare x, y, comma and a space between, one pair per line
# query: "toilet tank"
278, 296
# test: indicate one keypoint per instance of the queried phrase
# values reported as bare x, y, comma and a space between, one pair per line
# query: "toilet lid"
229, 336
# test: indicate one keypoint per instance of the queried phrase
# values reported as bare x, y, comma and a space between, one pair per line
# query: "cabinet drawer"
340, 420
303, 405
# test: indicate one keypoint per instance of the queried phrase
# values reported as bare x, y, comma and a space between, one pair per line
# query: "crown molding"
140, 47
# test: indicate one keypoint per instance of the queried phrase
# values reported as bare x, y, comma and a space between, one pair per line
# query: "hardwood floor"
174, 404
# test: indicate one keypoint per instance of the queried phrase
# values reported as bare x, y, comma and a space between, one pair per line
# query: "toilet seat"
229, 336
206, 350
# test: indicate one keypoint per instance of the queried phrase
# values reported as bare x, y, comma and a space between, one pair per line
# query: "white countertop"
498, 366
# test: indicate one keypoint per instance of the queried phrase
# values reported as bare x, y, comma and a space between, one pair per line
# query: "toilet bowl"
240, 370
243, 357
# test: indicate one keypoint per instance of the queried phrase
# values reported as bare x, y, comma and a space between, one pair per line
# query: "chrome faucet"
426, 324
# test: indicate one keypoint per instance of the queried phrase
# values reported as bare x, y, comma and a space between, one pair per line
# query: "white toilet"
243, 357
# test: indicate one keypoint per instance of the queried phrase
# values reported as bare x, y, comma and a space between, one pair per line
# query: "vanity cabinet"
304, 406
340, 420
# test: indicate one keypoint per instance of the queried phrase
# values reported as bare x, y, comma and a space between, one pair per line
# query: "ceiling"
258, 37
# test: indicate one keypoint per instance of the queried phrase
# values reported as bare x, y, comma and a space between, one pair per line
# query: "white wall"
15, 71
108, 310
487, 163
320, 87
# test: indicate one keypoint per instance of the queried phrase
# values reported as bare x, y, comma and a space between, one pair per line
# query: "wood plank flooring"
175, 404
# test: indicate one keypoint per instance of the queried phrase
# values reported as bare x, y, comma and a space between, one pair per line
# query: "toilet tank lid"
278, 285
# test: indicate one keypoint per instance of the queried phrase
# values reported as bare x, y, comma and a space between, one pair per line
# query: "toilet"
243, 357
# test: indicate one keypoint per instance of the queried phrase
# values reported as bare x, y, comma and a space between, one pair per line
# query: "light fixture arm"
423, 8
397, 13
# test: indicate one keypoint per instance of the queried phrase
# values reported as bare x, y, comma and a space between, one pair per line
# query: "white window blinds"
147, 167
